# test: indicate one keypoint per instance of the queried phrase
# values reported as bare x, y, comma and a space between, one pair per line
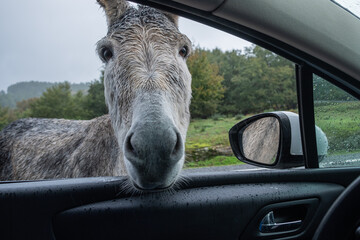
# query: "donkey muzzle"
154, 152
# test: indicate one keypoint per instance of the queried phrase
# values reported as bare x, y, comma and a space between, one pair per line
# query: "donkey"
147, 92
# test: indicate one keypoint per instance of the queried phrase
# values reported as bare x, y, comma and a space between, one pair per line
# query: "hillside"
25, 90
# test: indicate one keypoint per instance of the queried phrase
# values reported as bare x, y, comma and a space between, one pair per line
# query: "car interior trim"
304, 82
33, 203
226, 217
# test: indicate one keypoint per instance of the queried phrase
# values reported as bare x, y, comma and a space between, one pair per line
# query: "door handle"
268, 224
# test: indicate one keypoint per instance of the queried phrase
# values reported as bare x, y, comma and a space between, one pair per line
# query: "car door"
255, 204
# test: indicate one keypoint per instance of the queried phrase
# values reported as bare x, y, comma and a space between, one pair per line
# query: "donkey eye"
106, 54
184, 51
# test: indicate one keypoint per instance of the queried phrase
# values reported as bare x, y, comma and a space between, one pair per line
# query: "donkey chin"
154, 153
153, 182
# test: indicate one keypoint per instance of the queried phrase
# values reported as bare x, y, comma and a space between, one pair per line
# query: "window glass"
337, 117
55, 73
229, 86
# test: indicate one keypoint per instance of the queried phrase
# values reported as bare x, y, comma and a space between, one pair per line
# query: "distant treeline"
223, 83
33, 89
59, 101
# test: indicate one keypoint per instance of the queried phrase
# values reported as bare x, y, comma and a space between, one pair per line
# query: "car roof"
321, 29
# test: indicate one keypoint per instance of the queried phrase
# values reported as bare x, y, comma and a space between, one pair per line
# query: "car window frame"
304, 80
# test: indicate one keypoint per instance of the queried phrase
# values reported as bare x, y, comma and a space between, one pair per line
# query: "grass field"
209, 132
214, 161
207, 142
341, 123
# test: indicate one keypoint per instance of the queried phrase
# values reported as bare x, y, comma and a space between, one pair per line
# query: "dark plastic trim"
28, 207
342, 219
304, 81
203, 213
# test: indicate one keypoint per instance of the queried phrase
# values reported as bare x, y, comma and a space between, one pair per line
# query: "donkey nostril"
178, 145
129, 147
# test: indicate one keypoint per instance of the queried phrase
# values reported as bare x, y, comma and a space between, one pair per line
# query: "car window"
228, 84
337, 115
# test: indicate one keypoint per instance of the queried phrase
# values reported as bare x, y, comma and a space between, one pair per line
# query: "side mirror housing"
272, 140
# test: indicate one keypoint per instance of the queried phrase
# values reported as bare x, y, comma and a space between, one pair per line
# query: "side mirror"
272, 140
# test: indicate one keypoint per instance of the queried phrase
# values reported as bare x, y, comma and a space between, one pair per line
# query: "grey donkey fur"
147, 91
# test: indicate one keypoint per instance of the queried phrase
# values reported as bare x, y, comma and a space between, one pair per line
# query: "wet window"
337, 116
53, 89
247, 82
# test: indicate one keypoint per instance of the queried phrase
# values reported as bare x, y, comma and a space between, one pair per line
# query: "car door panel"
28, 207
211, 204
220, 212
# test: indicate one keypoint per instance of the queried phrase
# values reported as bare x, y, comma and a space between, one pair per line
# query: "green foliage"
325, 91
94, 102
23, 108
6, 116
230, 64
217, 117
206, 85
254, 81
265, 82
239, 116
57, 102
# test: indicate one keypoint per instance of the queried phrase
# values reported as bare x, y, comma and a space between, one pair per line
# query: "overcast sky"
54, 40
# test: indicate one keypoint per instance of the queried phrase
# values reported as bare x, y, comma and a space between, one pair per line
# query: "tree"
231, 63
6, 116
94, 103
23, 108
255, 80
325, 91
265, 82
57, 102
206, 85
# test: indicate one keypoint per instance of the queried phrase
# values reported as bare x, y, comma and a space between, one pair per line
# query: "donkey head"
147, 90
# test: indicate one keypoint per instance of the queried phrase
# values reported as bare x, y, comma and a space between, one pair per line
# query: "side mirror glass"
260, 140
272, 140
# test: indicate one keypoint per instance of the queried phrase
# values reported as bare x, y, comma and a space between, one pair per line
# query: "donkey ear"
113, 9
172, 17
